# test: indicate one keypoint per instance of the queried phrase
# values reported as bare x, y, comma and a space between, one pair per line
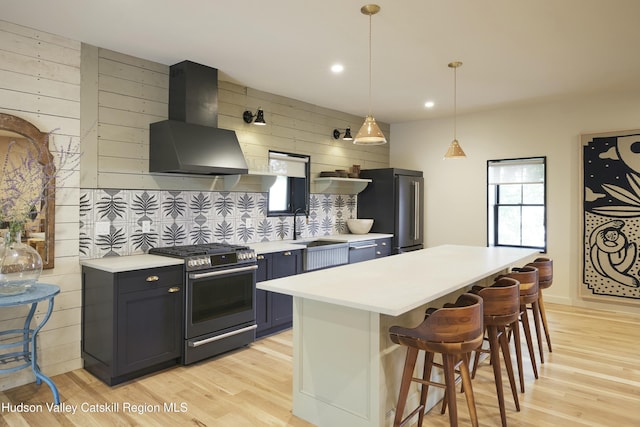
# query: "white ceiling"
513, 51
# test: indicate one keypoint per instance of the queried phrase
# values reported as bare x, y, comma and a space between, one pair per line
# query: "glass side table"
26, 337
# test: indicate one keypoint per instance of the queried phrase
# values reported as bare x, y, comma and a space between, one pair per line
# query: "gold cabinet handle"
152, 279
260, 257
384, 243
174, 289
287, 253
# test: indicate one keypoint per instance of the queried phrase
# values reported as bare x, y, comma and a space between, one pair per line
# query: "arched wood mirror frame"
41, 141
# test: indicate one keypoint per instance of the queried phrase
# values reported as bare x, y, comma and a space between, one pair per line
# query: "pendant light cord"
370, 65
455, 102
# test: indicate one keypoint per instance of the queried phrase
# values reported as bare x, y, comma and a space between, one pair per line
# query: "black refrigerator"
395, 201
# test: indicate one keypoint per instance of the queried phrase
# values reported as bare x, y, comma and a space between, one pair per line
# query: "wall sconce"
347, 134
259, 115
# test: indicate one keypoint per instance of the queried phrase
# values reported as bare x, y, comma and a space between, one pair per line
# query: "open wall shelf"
331, 185
262, 182
253, 181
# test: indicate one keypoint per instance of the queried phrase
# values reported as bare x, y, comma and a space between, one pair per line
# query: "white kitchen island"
346, 370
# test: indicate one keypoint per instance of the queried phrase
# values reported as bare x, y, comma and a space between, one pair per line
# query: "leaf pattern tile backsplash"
127, 222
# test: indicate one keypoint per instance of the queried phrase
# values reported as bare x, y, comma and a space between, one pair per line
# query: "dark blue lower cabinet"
383, 247
132, 321
274, 311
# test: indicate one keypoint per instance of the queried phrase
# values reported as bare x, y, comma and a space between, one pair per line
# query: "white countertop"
290, 245
116, 264
397, 284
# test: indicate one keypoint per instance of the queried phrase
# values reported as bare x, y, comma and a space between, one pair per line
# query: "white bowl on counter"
360, 225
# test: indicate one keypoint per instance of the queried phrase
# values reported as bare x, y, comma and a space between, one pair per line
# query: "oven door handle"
222, 272
221, 336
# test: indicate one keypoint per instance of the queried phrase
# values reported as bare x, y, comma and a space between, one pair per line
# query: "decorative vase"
20, 264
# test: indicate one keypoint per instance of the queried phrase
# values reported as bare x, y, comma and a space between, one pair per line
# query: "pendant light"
370, 133
454, 151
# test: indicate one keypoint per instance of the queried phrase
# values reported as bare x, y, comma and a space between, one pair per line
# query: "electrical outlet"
102, 228
146, 226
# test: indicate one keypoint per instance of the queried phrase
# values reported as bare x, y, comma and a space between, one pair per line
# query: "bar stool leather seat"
453, 331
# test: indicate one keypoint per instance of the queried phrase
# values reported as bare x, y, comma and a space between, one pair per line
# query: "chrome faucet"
295, 216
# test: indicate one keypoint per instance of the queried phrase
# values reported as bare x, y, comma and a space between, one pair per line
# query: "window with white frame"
517, 203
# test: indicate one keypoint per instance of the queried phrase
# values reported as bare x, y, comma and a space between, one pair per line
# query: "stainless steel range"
220, 284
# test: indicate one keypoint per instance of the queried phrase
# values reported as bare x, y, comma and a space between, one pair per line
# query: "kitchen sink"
322, 253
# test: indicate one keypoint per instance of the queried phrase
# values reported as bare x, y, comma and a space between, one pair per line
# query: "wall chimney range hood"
190, 142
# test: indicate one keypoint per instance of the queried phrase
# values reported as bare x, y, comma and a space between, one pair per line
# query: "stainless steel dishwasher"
362, 251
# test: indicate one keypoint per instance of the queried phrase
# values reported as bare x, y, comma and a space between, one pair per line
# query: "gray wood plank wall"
40, 82
131, 93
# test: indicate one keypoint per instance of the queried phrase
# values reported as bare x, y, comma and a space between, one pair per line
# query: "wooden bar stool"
528, 278
453, 331
545, 280
501, 310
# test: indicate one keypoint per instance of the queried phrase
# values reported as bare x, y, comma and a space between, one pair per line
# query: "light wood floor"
592, 378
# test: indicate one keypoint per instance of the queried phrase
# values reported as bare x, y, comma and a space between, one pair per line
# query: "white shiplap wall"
131, 93
40, 82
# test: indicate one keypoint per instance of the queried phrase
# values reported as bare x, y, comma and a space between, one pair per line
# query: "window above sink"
290, 192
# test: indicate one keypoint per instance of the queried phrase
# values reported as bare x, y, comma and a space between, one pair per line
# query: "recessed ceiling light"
429, 104
337, 68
